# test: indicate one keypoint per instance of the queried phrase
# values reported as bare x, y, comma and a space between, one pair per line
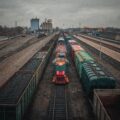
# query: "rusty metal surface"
106, 104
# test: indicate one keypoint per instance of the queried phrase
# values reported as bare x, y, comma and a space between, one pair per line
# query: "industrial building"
47, 25
34, 24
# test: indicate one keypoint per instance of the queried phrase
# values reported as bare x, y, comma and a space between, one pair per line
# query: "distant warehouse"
34, 24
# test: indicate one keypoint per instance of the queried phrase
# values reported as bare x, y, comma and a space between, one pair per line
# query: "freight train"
60, 63
92, 75
97, 82
17, 94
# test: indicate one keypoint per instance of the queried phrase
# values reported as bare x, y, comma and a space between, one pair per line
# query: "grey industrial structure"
47, 25
34, 24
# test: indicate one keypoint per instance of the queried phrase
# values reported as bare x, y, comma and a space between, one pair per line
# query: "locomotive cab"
60, 63
61, 41
60, 76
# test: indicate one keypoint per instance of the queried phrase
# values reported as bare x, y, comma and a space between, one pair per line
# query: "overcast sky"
67, 13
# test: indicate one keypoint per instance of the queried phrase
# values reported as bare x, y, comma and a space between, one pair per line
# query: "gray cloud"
68, 12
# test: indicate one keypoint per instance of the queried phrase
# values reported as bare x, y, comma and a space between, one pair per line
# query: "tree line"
10, 31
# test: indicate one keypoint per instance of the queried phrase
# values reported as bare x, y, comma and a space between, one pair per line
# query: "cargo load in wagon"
75, 48
95, 77
72, 42
80, 58
61, 48
68, 38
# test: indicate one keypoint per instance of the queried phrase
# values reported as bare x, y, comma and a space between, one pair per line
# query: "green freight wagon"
68, 38
16, 95
80, 58
95, 77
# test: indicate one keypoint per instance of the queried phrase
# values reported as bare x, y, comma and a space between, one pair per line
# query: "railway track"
12, 64
57, 102
7, 53
11, 47
109, 40
58, 109
113, 46
21, 87
4, 43
110, 52
104, 39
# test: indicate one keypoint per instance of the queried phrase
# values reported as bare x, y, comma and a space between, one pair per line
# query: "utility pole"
79, 26
63, 27
100, 53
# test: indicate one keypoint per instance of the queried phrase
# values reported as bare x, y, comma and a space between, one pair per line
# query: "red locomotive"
60, 63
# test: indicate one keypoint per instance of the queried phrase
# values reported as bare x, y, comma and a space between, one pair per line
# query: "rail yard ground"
115, 71
39, 106
79, 107
111, 65
26, 77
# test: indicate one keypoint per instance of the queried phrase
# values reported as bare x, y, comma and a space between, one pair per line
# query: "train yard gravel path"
81, 109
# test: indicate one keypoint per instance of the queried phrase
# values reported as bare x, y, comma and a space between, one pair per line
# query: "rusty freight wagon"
107, 104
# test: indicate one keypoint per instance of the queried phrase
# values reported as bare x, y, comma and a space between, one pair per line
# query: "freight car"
95, 77
73, 42
92, 75
74, 49
60, 63
67, 38
17, 93
80, 58
107, 104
